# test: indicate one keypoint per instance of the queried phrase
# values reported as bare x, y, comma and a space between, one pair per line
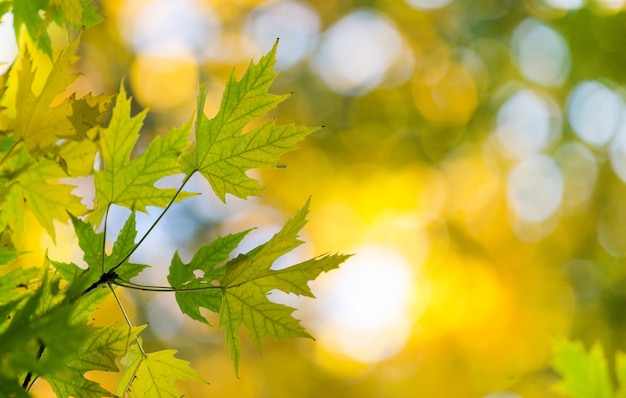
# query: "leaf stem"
145, 235
130, 325
104, 235
149, 288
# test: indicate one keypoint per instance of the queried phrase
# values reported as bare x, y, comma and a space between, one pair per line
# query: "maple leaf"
39, 121
27, 13
153, 374
15, 283
99, 352
42, 108
76, 157
76, 13
222, 153
584, 374
91, 244
130, 183
39, 190
36, 15
245, 282
87, 112
40, 319
206, 260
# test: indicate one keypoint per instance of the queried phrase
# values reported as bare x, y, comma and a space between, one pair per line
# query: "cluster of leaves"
47, 135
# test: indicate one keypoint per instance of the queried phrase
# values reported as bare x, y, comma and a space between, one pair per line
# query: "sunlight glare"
535, 188
365, 311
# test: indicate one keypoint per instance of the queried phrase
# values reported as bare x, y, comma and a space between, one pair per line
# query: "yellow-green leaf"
130, 183
39, 120
248, 305
584, 373
223, 153
249, 278
99, 352
153, 374
43, 194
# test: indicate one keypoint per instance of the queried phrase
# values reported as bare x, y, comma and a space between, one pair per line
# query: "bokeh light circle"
448, 100
527, 123
580, 171
296, 25
535, 188
8, 49
618, 150
541, 53
162, 28
427, 4
594, 111
565, 4
357, 51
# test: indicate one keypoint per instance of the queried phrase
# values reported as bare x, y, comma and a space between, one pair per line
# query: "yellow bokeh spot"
467, 299
164, 83
449, 100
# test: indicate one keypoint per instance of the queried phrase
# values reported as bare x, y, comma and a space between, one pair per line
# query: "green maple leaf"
91, 244
36, 15
5, 6
584, 373
39, 319
247, 283
76, 13
7, 255
130, 183
38, 190
240, 295
76, 157
153, 374
36, 185
27, 13
16, 283
222, 153
99, 352
206, 260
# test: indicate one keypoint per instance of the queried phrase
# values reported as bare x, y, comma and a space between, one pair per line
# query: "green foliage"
99, 352
131, 183
240, 294
585, 374
222, 154
71, 13
48, 135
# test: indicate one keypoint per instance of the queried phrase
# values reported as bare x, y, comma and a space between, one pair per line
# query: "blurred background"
473, 158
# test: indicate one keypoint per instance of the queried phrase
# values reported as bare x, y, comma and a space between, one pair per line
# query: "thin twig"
104, 235
130, 325
150, 288
145, 235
